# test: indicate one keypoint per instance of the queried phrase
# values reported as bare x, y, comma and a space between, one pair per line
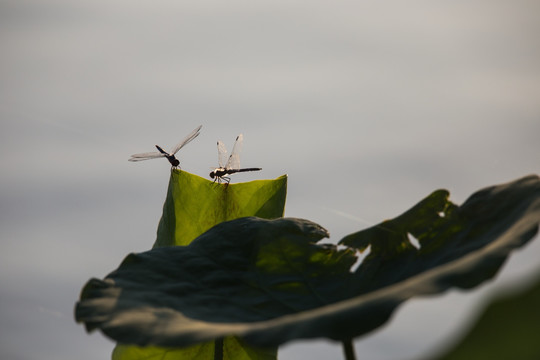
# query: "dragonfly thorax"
219, 172
173, 160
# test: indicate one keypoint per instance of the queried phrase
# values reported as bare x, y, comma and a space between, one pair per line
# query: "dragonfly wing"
222, 153
146, 156
234, 159
188, 138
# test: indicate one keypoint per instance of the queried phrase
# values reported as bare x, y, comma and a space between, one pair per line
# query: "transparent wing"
222, 153
188, 138
234, 159
146, 156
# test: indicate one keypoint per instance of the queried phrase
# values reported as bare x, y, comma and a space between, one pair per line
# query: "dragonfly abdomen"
233, 171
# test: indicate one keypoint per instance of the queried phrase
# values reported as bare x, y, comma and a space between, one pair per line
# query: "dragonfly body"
233, 162
221, 173
168, 155
172, 159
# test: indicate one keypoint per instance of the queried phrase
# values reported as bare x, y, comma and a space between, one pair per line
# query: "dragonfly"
233, 162
169, 155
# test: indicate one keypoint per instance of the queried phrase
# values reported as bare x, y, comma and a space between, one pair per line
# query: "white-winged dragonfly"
169, 155
232, 165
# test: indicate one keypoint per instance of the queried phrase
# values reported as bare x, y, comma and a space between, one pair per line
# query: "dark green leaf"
508, 328
269, 281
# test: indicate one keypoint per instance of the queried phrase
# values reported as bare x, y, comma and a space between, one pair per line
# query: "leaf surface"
507, 328
192, 206
271, 281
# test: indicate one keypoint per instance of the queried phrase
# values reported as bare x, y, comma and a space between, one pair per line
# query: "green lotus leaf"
268, 282
192, 206
507, 328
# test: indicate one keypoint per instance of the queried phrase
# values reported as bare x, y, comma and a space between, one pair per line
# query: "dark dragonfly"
233, 163
162, 153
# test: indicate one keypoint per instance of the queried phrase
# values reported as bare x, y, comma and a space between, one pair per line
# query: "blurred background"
368, 106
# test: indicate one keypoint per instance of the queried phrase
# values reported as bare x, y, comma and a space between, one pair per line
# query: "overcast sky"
368, 106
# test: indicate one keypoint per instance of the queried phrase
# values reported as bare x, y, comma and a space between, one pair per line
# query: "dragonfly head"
212, 174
